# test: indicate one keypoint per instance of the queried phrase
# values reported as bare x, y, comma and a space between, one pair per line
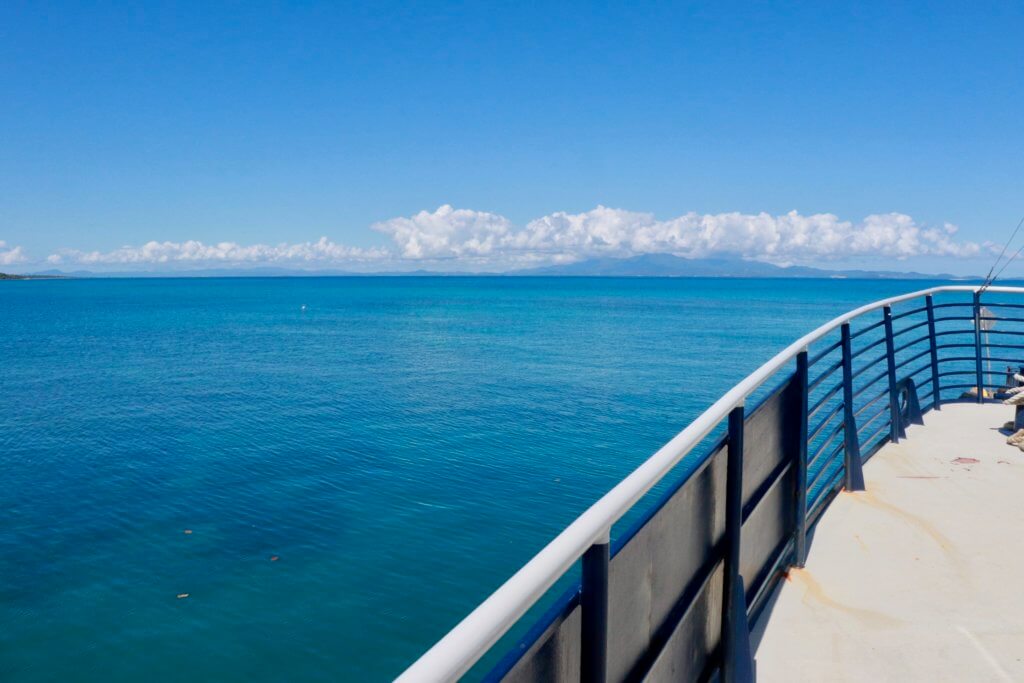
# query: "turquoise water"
400, 445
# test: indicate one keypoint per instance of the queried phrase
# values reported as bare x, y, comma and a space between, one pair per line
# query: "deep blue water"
402, 445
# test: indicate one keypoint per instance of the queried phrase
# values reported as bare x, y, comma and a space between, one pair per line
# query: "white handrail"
455, 653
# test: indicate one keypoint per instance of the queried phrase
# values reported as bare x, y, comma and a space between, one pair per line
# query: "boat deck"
921, 577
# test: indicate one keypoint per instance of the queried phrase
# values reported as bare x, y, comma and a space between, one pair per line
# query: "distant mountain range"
648, 265
667, 265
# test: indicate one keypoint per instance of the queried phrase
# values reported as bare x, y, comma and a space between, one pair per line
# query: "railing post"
594, 614
738, 660
977, 347
895, 421
800, 528
851, 443
933, 342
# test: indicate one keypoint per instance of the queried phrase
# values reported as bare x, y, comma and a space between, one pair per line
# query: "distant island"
647, 265
15, 276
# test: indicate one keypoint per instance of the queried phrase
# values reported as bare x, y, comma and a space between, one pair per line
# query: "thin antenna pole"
988, 278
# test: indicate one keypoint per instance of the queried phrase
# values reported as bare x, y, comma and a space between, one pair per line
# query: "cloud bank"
11, 255
195, 252
789, 238
480, 239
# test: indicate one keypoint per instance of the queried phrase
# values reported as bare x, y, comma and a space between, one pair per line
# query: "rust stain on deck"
868, 498
814, 591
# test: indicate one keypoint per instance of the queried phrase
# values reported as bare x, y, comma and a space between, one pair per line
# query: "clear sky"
490, 135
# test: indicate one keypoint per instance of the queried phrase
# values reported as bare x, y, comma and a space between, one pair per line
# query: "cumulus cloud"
603, 231
11, 255
193, 251
488, 240
447, 233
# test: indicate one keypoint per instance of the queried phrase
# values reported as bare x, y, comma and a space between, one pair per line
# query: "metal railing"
845, 390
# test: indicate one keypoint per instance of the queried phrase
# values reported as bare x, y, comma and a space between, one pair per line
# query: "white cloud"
561, 236
193, 251
447, 233
478, 239
12, 255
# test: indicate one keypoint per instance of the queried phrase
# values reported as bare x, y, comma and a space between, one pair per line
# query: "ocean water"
360, 461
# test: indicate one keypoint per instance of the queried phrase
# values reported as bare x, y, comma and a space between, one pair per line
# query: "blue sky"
243, 133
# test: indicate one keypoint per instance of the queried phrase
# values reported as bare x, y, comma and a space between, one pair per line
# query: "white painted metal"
456, 652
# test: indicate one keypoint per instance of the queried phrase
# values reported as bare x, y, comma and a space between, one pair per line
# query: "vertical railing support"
594, 613
800, 527
738, 660
896, 429
851, 443
980, 382
933, 344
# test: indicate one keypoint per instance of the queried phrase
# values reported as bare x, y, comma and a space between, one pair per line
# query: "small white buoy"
303, 308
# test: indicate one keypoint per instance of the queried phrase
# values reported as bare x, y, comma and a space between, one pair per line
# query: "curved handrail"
464, 645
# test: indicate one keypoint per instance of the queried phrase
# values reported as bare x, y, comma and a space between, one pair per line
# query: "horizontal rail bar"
813, 434
939, 347
864, 349
881, 432
1013, 332
870, 383
825, 374
912, 343
993, 373
957, 359
824, 352
1004, 346
868, 365
911, 359
867, 329
824, 444
911, 327
926, 366
830, 460
904, 314
1002, 320
874, 417
859, 411
972, 385
824, 399
992, 358
992, 304
823, 498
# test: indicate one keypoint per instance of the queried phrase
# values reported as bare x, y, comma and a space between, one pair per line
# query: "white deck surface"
921, 577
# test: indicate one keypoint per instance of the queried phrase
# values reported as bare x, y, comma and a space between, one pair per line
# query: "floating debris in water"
303, 307
187, 532
274, 558
182, 596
